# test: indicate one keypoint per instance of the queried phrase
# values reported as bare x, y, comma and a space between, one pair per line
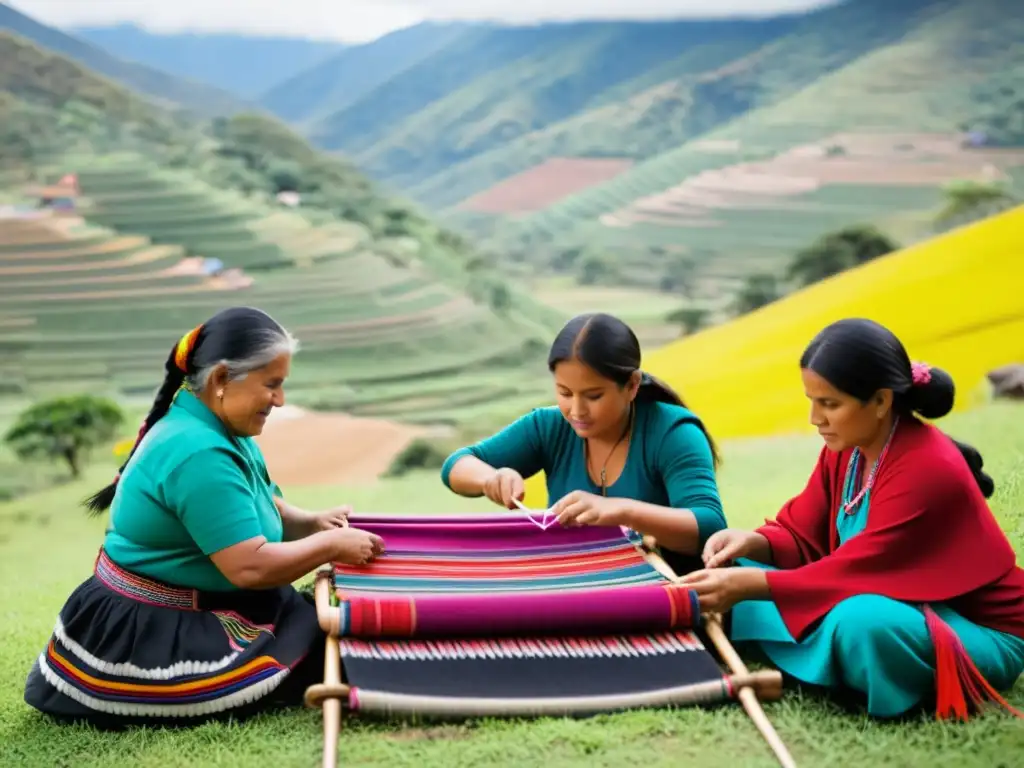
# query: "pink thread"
921, 373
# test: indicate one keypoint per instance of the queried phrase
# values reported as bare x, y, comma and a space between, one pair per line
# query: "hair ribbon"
184, 349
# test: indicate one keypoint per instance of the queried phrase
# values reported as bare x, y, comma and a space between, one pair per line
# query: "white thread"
543, 524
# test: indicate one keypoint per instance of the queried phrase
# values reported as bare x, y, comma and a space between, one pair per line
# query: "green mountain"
496, 101
938, 76
177, 218
347, 76
194, 95
243, 65
493, 85
708, 86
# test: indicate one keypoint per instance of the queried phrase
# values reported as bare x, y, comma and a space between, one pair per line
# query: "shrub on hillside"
838, 251
999, 110
689, 319
758, 291
968, 201
419, 454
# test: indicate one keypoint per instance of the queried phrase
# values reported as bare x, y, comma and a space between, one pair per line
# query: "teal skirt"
876, 646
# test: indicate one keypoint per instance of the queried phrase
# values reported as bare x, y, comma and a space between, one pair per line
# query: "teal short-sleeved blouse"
669, 461
190, 490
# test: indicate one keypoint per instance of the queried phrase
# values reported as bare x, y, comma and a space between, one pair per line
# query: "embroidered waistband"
144, 589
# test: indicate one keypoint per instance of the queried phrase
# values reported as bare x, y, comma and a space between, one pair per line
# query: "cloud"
360, 20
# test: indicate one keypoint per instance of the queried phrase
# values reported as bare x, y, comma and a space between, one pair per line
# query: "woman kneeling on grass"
888, 576
190, 613
619, 448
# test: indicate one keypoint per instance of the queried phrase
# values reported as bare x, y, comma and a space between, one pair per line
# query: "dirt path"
307, 448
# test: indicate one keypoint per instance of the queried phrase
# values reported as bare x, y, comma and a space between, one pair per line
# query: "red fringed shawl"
930, 537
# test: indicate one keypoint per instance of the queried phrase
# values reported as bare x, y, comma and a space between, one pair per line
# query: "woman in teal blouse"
190, 613
619, 448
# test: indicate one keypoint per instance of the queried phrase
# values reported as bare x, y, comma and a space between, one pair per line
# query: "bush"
419, 454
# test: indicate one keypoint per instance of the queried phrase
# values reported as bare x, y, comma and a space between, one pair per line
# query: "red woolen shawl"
930, 537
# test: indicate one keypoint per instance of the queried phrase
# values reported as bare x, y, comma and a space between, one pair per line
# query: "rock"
1008, 381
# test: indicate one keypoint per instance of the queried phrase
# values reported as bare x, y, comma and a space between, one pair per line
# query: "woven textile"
499, 576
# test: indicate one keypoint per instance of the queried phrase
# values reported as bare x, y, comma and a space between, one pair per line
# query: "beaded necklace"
853, 468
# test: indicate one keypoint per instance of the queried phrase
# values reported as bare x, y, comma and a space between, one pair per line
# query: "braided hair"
242, 339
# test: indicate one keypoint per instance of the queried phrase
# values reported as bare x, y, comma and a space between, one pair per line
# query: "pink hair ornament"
921, 373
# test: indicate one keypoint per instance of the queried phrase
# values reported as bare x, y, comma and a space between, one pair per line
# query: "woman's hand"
718, 590
331, 518
504, 487
723, 547
354, 546
582, 508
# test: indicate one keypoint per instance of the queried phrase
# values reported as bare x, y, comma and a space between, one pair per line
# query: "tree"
757, 291
64, 429
968, 201
500, 298
595, 268
690, 319
838, 251
677, 276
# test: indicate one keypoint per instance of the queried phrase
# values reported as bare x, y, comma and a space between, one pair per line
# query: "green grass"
47, 547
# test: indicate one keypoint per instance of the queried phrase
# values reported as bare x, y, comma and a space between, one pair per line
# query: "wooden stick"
331, 706
746, 695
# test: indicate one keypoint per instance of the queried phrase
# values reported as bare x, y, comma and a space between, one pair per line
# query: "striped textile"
500, 575
491, 615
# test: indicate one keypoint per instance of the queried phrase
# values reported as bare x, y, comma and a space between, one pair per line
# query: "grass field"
47, 546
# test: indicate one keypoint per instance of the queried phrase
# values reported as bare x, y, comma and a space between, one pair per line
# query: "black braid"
173, 379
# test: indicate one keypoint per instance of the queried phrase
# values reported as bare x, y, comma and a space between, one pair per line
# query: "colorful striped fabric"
502, 575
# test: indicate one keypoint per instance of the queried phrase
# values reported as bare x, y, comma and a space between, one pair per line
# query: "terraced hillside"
48, 262
86, 308
753, 217
132, 194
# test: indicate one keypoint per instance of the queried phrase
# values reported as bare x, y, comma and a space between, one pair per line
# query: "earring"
220, 393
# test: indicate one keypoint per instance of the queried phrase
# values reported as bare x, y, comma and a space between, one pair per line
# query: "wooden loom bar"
331, 705
746, 695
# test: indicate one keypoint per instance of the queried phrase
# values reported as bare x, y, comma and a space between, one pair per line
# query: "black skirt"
130, 650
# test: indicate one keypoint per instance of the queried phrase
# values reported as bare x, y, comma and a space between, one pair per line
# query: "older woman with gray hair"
190, 614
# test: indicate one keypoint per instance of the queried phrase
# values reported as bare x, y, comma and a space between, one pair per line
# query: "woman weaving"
619, 448
888, 575
190, 613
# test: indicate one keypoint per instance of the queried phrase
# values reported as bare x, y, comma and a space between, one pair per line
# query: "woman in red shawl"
888, 574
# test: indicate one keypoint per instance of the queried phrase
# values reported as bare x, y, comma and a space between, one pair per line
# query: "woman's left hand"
582, 508
719, 589
336, 517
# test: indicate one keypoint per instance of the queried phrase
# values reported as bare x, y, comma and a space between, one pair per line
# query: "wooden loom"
748, 687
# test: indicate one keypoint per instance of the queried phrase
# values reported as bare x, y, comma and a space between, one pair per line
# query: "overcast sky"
360, 20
